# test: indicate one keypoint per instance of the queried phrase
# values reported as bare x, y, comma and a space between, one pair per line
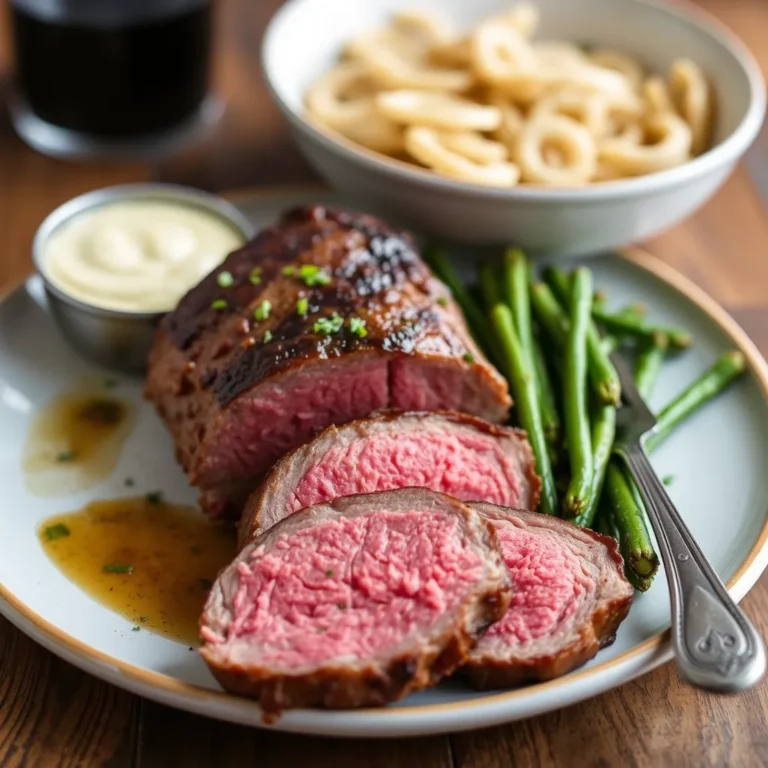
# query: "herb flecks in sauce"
152, 564
75, 440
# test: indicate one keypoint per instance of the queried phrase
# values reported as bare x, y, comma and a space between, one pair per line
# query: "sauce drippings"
75, 441
150, 561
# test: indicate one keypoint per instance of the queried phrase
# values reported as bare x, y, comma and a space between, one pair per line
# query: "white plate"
718, 460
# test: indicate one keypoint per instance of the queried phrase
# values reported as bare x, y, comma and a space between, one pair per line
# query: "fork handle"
716, 645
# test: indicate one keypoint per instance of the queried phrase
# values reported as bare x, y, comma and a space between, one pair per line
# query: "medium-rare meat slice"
453, 453
569, 597
324, 318
355, 603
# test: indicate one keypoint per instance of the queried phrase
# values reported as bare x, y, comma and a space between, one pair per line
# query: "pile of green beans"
552, 337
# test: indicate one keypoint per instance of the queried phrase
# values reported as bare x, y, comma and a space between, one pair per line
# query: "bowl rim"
103, 196
726, 151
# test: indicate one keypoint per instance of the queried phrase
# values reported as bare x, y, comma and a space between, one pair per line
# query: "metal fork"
716, 645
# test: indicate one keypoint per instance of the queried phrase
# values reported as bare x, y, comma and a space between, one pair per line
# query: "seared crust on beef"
207, 355
369, 682
487, 670
268, 503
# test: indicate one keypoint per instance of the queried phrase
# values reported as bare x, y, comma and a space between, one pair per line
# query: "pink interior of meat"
352, 587
283, 414
467, 465
548, 586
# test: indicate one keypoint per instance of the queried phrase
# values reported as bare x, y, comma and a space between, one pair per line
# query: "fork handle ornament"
716, 645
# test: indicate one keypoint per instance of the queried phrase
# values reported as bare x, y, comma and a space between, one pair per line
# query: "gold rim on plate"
174, 687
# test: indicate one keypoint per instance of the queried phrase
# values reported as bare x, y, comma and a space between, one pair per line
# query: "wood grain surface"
52, 714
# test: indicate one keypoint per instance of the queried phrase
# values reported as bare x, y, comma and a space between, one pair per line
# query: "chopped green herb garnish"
311, 274
302, 306
154, 497
267, 337
65, 456
288, 271
117, 568
136, 629
357, 326
262, 311
225, 279
206, 583
442, 301
110, 383
255, 276
325, 326
668, 479
468, 357
58, 531
329, 572
219, 304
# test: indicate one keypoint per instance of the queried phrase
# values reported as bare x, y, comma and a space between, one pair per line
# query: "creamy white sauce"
137, 255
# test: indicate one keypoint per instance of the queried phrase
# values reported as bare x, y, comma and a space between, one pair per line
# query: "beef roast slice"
238, 392
569, 597
453, 453
356, 602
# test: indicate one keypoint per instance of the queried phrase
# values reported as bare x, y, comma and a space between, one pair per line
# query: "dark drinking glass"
109, 73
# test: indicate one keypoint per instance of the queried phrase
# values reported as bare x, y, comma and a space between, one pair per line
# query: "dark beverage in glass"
104, 73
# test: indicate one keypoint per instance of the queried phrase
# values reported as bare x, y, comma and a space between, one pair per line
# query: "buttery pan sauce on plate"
150, 561
75, 441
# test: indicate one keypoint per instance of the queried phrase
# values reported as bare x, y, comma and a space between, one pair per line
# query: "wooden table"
53, 714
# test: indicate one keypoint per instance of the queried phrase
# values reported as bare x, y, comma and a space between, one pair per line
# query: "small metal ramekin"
118, 339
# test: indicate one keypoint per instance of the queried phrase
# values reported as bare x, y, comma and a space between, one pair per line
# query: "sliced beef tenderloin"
569, 597
324, 318
453, 453
355, 603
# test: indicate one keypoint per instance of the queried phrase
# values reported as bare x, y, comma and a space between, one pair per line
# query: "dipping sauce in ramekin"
113, 261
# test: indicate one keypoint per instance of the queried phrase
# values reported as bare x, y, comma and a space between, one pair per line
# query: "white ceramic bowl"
305, 36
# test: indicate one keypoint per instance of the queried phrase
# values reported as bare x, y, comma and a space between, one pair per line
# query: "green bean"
650, 358
550, 418
578, 439
489, 284
602, 373
713, 381
516, 279
603, 434
551, 316
523, 386
629, 517
626, 324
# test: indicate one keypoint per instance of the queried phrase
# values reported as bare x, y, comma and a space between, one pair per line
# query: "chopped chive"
219, 304
255, 276
329, 572
267, 337
325, 326
206, 583
58, 531
288, 271
302, 306
442, 301
117, 568
225, 279
468, 357
262, 311
311, 274
357, 326
136, 629
668, 479
154, 497
65, 456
